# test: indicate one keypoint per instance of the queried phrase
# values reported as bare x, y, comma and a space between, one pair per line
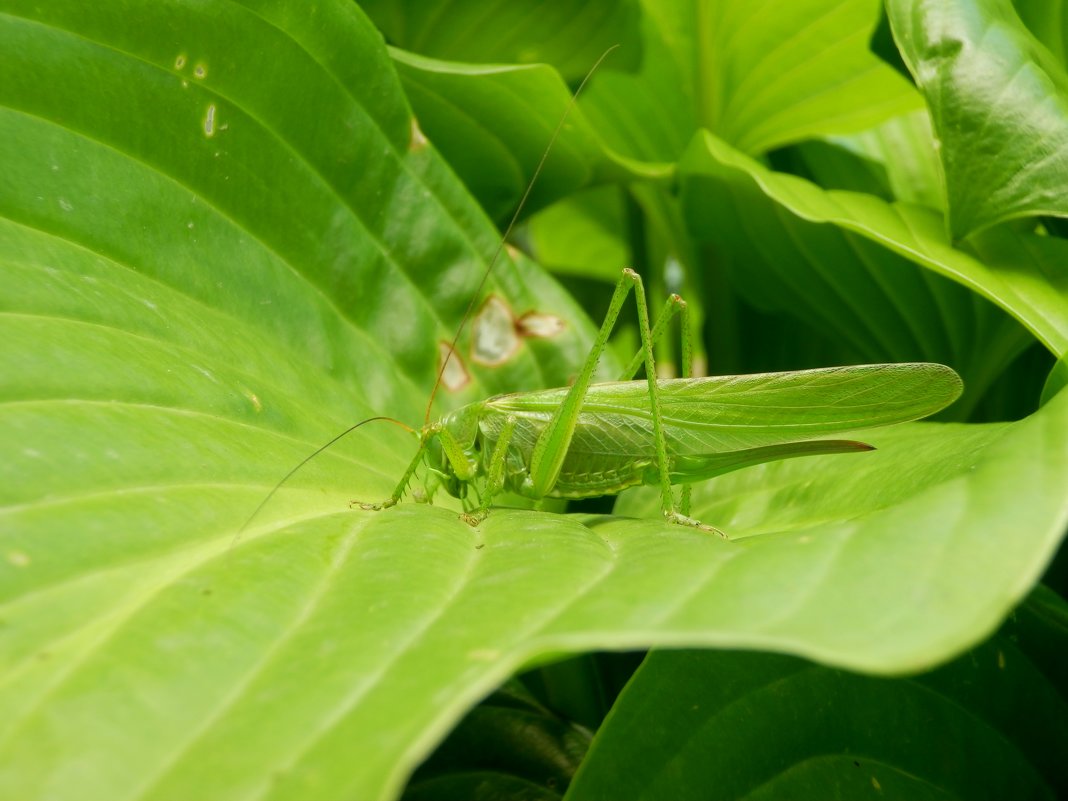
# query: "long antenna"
507, 231
307, 459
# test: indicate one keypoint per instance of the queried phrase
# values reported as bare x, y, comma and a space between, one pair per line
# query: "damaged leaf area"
497, 335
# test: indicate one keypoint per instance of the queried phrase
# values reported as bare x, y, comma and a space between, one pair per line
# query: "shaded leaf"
508, 746
566, 34
988, 725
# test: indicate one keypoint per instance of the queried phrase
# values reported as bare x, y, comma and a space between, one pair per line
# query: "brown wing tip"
858, 446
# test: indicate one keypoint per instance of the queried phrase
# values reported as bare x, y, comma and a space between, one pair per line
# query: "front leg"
402, 485
495, 475
551, 448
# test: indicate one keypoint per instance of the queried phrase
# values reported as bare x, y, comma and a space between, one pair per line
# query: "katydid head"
452, 450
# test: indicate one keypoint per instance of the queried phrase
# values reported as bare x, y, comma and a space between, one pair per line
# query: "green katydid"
594, 439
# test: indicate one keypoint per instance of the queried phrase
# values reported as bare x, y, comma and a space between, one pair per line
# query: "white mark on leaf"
536, 324
493, 333
209, 121
455, 377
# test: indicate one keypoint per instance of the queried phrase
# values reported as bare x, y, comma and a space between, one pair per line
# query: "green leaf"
493, 124
992, 724
1047, 22
1056, 381
755, 79
580, 236
842, 536
567, 34
999, 104
904, 146
865, 272
210, 269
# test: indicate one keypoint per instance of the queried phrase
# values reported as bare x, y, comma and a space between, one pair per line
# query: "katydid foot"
374, 507
474, 518
683, 520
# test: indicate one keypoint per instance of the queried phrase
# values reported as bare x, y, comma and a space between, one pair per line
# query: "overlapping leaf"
493, 124
847, 246
568, 35
207, 274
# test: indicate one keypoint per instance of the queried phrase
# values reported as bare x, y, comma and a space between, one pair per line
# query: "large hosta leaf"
893, 551
999, 103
